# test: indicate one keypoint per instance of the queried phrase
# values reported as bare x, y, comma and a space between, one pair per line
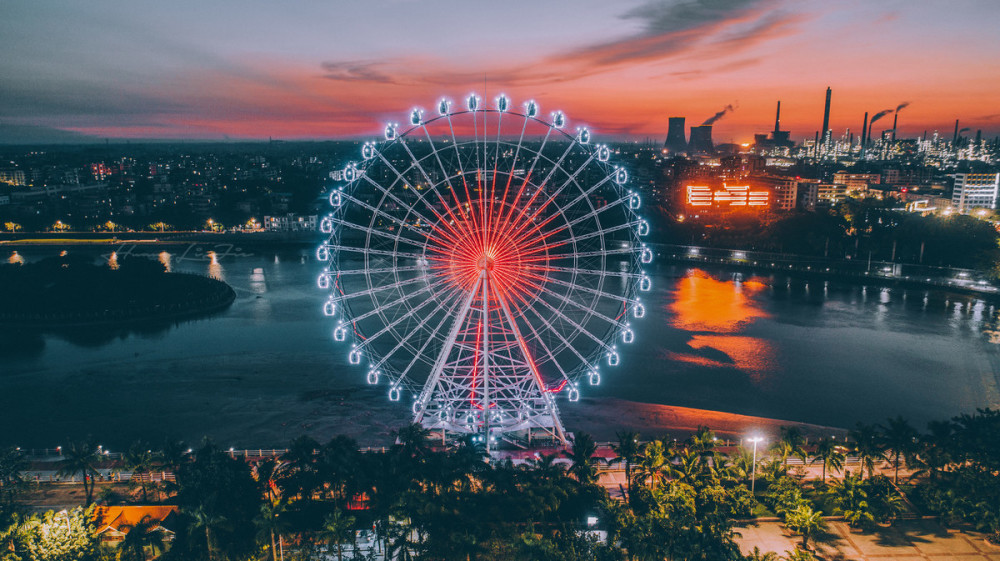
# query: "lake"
267, 370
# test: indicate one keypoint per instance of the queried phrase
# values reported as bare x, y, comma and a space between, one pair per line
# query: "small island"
70, 291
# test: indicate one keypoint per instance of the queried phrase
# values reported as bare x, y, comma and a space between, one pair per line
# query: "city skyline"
326, 70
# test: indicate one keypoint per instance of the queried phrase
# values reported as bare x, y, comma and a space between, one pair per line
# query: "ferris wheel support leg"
546, 396
485, 276
449, 343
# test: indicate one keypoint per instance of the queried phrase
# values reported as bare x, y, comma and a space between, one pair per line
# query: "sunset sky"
214, 69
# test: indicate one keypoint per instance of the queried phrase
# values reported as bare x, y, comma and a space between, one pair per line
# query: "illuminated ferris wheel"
482, 264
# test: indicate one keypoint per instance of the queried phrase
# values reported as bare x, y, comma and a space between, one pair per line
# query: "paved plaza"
908, 540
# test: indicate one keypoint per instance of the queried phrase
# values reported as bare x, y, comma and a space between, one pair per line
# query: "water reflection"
113, 261
164, 258
215, 268
715, 313
703, 303
15, 258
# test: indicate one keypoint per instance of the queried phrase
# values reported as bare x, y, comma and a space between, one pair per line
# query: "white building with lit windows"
975, 190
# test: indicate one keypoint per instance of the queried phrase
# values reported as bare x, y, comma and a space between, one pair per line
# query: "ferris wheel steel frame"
464, 280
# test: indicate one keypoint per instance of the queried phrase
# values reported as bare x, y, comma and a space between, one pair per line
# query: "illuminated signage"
728, 196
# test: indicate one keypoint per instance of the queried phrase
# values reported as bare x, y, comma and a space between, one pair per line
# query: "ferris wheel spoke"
380, 270
558, 333
381, 288
527, 353
585, 271
461, 169
600, 342
397, 221
409, 208
444, 172
588, 311
588, 290
433, 187
380, 308
382, 252
429, 339
390, 326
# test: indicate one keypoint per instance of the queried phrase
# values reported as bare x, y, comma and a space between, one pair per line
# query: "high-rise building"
975, 190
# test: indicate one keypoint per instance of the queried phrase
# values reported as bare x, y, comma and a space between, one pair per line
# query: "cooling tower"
701, 140
675, 136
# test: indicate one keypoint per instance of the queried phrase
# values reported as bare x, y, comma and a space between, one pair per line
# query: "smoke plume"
903, 105
879, 115
718, 115
966, 129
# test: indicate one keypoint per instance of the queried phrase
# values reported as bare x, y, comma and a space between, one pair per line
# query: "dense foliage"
413, 501
69, 289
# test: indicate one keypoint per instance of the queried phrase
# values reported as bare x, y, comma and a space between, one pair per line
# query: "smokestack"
895, 120
864, 131
701, 140
777, 118
826, 113
979, 135
676, 142
954, 139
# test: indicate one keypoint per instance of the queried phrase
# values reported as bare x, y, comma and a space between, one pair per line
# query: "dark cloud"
356, 71
670, 29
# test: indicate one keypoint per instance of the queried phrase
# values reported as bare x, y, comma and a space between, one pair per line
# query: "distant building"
857, 182
783, 190
829, 194
12, 177
975, 190
290, 223
113, 523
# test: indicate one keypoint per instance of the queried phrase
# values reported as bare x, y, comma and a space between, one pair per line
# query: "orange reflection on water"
165, 260
716, 311
15, 258
705, 304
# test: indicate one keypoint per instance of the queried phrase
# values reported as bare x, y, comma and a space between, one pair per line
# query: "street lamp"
753, 470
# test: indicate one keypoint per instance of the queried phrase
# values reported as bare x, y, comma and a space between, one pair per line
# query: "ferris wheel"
484, 263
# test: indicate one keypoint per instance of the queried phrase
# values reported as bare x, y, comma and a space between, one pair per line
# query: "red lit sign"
728, 196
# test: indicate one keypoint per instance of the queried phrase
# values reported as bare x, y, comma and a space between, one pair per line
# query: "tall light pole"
753, 470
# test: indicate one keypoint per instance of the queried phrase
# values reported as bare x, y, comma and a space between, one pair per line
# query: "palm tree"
201, 519
628, 451
831, 454
805, 521
651, 463
81, 457
867, 444
270, 523
338, 528
935, 448
139, 459
143, 534
852, 501
790, 444
740, 465
901, 439
266, 473
584, 465
758, 555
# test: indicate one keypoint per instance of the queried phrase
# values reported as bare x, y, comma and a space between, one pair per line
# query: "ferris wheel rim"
604, 341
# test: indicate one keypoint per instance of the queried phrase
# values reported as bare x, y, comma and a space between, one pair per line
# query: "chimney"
777, 118
895, 121
675, 136
826, 112
701, 140
864, 131
954, 139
